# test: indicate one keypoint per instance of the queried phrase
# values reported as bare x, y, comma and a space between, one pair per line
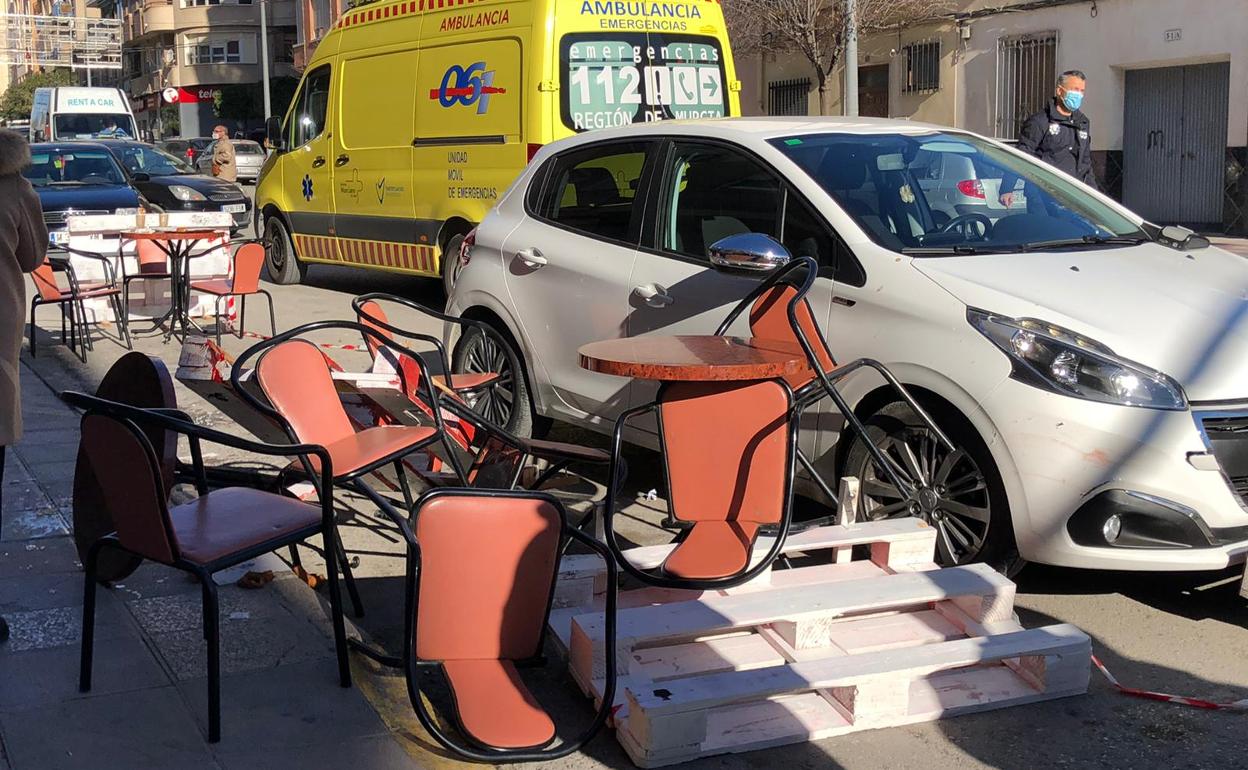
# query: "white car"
1092, 368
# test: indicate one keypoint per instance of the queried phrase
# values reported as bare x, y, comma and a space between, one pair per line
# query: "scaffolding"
60, 41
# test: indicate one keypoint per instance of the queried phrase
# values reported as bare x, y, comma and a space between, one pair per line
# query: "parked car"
78, 178
173, 185
249, 156
1091, 367
186, 149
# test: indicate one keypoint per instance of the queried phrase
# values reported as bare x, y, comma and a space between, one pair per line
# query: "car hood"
99, 198
200, 183
1182, 313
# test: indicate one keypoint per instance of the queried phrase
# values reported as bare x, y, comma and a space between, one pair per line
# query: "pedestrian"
23, 246
223, 166
1059, 135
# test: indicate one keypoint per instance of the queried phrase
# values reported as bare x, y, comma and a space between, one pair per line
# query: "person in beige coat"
23, 245
223, 165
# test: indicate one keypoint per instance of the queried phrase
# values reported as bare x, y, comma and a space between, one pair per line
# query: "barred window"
922, 62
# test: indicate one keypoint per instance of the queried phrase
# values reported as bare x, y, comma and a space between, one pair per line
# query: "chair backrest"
370, 314
769, 318
297, 382
487, 569
150, 258
45, 282
727, 450
247, 264
129, 476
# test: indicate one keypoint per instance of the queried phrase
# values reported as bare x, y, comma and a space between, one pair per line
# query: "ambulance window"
313, 105
594, 191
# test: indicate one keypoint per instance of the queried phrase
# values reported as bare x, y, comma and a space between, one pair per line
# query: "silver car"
249, 156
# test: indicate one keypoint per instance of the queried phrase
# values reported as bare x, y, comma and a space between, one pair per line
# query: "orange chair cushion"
713, 550
226, 521
494, 707
769, 317
360, 450
218, 286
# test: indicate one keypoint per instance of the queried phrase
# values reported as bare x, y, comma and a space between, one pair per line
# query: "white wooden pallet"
807, 653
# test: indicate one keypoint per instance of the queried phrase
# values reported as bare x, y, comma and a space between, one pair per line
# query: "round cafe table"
696, 358
179, 245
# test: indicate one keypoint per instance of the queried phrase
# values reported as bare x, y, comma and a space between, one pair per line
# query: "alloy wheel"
946, 488
485, 353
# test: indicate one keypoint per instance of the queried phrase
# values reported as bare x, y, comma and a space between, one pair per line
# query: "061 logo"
467, 86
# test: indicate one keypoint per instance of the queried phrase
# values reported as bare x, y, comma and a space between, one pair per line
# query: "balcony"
151, 17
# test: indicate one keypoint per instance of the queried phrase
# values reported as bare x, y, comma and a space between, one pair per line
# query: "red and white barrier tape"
1200, 703
325, 345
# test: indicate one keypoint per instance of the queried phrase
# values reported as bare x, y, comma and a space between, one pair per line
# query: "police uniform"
1060, 140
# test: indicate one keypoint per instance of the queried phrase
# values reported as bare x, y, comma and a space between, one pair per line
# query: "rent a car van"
62, 114
413, 117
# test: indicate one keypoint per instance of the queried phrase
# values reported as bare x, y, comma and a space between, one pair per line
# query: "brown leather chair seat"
494, 706
227, 521
713, 550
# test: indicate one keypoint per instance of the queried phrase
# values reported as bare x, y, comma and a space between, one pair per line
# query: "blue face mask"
1073, 100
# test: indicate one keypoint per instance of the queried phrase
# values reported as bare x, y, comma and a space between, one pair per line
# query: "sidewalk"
281, 703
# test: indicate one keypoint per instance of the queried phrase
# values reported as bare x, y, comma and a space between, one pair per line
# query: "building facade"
1165, 93
179, 54
313, 18
14, 67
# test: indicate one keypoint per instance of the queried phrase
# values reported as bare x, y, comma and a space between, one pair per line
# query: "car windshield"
139, 159
73, 167
101, 125
247, 148
944, 193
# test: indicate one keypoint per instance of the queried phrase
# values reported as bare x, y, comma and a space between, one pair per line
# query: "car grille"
1227, 435
227, 197
59, 217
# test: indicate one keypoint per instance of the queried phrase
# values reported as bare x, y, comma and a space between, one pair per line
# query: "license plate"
58, 236
235, 208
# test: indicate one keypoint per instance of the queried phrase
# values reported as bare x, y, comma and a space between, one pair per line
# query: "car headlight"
1061, 361
184, 193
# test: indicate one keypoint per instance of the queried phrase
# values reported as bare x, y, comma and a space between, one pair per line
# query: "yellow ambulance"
414, 116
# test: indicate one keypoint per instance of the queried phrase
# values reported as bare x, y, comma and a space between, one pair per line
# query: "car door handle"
318, 161
531, 257
342, 160
653, 295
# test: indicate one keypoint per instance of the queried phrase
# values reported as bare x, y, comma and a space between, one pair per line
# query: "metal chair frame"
179, 422
412, 664
823, 384
77, 314
353, 480
495, 434
242, 312
748, 573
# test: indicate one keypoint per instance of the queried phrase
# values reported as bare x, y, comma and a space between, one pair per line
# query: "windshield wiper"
1087, 240
957, 249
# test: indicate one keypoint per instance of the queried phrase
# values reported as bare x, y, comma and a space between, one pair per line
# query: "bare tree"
818, 29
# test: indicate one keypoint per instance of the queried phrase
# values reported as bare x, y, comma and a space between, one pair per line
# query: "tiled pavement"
281, 704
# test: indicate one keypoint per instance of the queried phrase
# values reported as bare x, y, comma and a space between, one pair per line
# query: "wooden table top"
700, 358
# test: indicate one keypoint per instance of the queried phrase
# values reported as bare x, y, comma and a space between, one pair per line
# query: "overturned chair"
480, 632
499, 458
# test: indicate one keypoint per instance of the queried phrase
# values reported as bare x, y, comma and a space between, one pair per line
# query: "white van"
58, 114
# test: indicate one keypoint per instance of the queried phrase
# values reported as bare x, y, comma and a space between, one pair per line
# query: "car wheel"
279, 254
450, 263
507, 402
959, 492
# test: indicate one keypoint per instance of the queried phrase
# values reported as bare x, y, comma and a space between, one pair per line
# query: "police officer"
1059, 134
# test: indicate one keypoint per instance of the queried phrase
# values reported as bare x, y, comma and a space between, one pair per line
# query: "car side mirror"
141, 176
751, 252
1182, 238
273, 131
